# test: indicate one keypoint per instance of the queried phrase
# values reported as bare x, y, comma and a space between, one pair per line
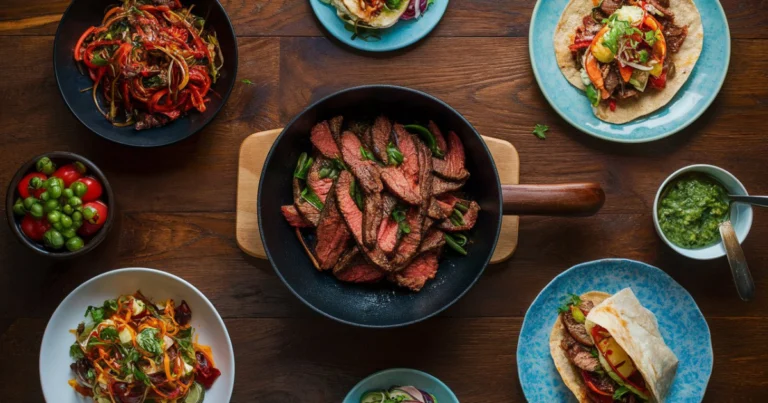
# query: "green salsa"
691, 210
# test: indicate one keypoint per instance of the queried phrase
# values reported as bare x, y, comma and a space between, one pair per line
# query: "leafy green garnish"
246, 81
98, 314
591, 92
643, 56
593, 352
457, 218
540, 131
154, 82
310, 197
573, 299
367, 155
99, 61
399, 215
141, 376
76, 352
147, 340
108, 333
621, 391
650, 37
357, 194
395, 157
302, 166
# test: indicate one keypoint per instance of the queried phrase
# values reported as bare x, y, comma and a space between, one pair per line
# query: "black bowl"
82, 14
380, 305
60, 158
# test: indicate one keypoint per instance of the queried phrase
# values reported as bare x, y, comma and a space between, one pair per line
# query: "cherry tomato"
33, 228
94, 188
94, 224
69, 173
24, 185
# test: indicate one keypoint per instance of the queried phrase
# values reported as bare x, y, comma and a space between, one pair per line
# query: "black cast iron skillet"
384, 305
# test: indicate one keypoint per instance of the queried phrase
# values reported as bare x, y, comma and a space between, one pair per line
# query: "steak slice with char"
441, 208
674, 36
366, 171
387, 237
332, 234
434, 240
418, 272
321, 186
398, 184
425, 174
323, 140
353, 269
452, 165
578, 354
410, 242
409, 181
372, 215
442, 186
335, 126
308, 211
438, 135
577, 330
294, 218
470, 218
380, 135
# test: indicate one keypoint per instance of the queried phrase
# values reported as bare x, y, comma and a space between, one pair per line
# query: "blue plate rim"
612, 260
402, 370
660, 136
400, 45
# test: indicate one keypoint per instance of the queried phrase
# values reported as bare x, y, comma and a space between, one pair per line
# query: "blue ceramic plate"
688, 104
398, 36
681, 323
402, 377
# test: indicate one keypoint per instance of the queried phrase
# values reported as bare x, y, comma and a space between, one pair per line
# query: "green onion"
457, 218
310, 197
325, 172
394, 155
302, 167
461, 207
399, 216
366, 154
454, 244
356, 194
461, 239
428, 137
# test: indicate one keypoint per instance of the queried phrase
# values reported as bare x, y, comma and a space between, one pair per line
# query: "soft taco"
370, 13
609, 349
630, 57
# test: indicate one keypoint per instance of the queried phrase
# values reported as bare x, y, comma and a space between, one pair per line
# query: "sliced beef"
674, 36
470, 218
626, 91
410, 242
399, 185
578, 354
452, 165
354, 269
439, 138
304, 245
352, 215
425, 174
577, 330
294, 218
442, 186
372, 215
332, 234
442, 207
602, 382
366, 171
406, 143
405, 181
610, 6
387, 237
434, 240
321, 186
428, 223
611, 80
308, 211
380, 135
592, 26
335, 126
417, 273
322, 139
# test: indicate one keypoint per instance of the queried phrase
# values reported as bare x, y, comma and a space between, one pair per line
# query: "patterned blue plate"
688, 104
681, 323
398, 36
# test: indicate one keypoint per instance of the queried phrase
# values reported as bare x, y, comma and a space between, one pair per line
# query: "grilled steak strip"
440, 209
372, 216
421, 269
380, 135
442, 186
434, 240
354, 269
387, 238
403, 180
308, 211
332, 234
294, 218
321, 186
323, 140
306, 248
438, 135
470, 218
335, 126
578, 354
410, 242
452, 165
577, 330
366, 171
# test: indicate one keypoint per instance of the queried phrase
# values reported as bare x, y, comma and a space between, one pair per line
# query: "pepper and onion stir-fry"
132, 351
152, 61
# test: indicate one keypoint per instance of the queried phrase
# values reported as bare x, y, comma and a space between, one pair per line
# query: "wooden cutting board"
253, 152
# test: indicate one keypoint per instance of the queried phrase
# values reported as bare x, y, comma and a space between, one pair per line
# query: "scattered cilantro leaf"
108, 333
148, 341
246, 81
620, 392
540, 131
76, 352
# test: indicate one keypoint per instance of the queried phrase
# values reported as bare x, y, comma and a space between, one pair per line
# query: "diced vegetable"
639, 80
577, 314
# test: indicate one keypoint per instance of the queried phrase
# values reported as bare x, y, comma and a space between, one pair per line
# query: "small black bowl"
81, 15
60, 158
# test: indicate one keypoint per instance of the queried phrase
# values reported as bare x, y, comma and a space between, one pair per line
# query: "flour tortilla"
570, 374
635, 329
627, 110
349, 10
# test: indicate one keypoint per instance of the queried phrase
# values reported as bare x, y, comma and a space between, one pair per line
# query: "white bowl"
155, 285
741, 214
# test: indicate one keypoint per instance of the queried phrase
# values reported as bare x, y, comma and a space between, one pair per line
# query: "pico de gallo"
132, 350
60, 205
151, 61
623, 49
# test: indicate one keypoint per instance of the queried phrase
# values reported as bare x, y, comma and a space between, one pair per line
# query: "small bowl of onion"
409, 384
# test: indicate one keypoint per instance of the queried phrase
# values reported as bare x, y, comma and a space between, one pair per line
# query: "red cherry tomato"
24, 185
33, 228
69, 173
94, 188
93, 225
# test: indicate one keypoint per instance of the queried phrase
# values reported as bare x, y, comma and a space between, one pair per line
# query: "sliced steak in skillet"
372, 215
399, 185
452, 165
439, 138
470, 218
332, 234
308, 211
354, 269
321, 186
441, 186
366, 171
418, 272
387, 237
434, 240
405, 181
335, 126
441, 208
578, 354
425, 174
410, 242
294, 218
323, 140
380, 137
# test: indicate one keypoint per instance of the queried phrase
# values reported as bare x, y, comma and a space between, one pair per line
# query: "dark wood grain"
175, 205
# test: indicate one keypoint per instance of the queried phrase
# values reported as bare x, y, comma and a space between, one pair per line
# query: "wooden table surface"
176, 205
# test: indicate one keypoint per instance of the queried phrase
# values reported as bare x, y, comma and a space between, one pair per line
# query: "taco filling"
371, 13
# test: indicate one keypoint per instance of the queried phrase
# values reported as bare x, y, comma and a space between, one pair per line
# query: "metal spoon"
754, 200
745, 286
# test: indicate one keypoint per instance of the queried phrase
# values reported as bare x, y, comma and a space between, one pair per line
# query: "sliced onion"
415, 393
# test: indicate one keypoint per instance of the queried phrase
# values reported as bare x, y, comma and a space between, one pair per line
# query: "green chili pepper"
457, 218
18, 207
36, 210
454, 244
460, 239
302, 166
79, 188
461, 207
53, 239
310, 197
366, 154
394, 156
75, 243
45, 165
54, 217
428, 137
88, 213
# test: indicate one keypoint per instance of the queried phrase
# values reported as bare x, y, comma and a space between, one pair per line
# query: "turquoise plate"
398, 36
402, 377
688, 104
681, 323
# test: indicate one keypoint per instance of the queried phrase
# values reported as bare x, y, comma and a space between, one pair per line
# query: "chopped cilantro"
76, 352
540, 131
246, 81
573, 299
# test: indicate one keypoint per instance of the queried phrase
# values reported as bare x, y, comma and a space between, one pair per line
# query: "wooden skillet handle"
570, 199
